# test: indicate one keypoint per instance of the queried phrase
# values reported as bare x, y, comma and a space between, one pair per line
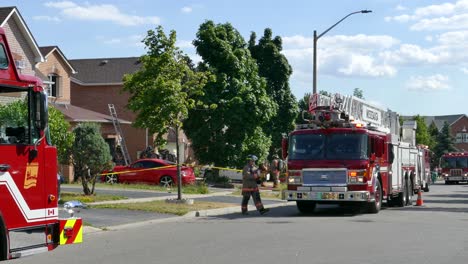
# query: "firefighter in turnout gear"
275, 168
250, 176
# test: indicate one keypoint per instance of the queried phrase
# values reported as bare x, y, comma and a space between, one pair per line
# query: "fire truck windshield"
454, 162
349, 146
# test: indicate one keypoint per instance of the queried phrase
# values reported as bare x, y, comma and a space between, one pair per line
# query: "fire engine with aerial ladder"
29, 221
351, 152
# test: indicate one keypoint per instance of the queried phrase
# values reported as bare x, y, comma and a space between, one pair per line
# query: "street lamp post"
315, 44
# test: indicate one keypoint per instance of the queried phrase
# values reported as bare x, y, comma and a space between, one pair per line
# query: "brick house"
81, 89
53, 68
458, 125
99, 82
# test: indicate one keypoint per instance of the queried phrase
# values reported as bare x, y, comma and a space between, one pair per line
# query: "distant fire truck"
29, 220
351, 152
454, 167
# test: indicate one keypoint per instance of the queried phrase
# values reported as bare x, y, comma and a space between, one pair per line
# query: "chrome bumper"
349, 196
456, 178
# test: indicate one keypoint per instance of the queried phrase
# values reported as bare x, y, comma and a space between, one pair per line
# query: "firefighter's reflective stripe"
71, 231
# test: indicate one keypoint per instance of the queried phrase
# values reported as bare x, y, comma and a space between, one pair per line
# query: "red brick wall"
97, 98
458, 127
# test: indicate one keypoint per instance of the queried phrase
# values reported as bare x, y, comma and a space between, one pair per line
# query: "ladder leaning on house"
120, 136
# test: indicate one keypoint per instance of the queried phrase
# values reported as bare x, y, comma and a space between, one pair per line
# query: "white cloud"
442, 23
186, 9
445, 16
297, 41
184, 44
365, 66
129, 41
435, 82
47, 18
400, 8
409, 54
104, 12
464, 70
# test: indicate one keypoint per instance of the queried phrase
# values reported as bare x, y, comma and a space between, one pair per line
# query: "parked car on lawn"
150, 171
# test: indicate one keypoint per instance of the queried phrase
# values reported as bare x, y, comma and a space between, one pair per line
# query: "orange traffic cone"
419, 202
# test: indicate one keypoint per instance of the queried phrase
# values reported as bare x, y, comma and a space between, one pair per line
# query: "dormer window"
54, 85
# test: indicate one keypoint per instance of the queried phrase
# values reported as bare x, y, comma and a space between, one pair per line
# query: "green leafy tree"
303, 105
225, 135
422, 134
433, 132
90, 155
163, 91
15, 114
60, 135
358, 93
274, 67
323, 92
444, 142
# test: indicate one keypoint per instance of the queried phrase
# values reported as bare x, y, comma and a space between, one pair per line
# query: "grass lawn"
199, 188
68, 196
166, 208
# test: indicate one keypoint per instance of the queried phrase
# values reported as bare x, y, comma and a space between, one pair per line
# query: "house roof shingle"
104, 70
48, 49
438, 120
7, 13
77, 114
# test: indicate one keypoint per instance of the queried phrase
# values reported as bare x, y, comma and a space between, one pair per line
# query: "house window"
462, 137
54, 85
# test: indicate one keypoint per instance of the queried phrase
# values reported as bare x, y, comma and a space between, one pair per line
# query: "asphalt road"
434, 233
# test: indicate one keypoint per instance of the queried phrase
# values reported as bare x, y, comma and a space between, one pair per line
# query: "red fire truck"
29, 220
351, 152
454, 167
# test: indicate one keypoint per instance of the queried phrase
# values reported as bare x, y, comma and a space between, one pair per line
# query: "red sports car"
151, 171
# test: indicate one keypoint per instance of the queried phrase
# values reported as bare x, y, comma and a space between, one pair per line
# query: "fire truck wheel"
401, 199
3, 242
112, 178
374, 207
306, 207
409, 192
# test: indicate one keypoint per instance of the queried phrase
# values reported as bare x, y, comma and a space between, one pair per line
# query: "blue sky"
409, 56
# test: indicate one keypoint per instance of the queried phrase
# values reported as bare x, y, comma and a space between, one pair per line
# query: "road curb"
229, 210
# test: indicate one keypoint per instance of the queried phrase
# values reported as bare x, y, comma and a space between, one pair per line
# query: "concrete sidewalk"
95, 216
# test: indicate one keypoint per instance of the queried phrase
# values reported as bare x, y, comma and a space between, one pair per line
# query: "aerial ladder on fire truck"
340, 109
120, 135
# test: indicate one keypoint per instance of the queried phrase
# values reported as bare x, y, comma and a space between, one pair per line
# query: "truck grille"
456, 172
335, 177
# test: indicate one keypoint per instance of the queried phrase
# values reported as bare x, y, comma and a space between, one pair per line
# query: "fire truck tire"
112, 178
374, 207
409, 192
306, 207
3, 241
401, 199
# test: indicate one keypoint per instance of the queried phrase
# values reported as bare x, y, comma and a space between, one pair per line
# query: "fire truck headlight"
294, 179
